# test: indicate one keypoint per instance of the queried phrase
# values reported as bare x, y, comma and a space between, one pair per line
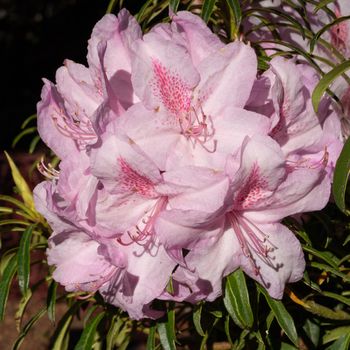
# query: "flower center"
254, 243
47, 170
81, 131
145, 228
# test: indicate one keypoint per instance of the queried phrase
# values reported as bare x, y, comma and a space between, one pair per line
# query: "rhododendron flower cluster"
178, 163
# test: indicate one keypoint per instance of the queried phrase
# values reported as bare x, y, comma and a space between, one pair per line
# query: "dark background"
35, 37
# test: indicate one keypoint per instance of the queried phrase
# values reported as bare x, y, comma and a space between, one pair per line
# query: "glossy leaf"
22, 308
166, 331
322, 4
87, 338
283, 317
60, 336
207, 9
23, 260
326, 81
325, 29
21, 184
335, 334
51, 301
174, 4
237, 301
341, 175
5, 283
197, 315
151, 339
343, 343
27, 328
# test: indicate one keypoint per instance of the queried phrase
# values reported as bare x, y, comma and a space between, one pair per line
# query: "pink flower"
67, 111
175, 155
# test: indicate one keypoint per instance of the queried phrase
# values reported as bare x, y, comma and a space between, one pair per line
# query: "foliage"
314, 314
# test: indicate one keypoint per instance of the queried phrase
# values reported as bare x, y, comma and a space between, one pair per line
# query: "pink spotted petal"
163, 74
262, 169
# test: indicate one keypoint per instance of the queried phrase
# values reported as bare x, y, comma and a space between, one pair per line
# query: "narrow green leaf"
151, 340
60, 336
237, 301
87, 338
197, 315
343, 343
111, 6
34, 143
166, 331
283, 317
21, 134
21, 309
325, 29
326, 81
27, 328
312, 330
21, 184
207, 9
332, 270
28, 120
338, 297
174, 4
5, 283
322, 3
51, 301
335, 334
326, 312
322, 255
236, 8
23, 260
341, 175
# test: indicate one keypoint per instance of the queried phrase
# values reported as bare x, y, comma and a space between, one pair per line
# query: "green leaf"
87, 338
151, 340
197, 315
312, 330
322, 255
174, 4
341, 175
51, 301
325, 29
335, 334
111, 6
322, 3
343, 343
27, 328
21, 309
207, 9
283, 317
332, 270
326, 81
5, 283
21, 184
21, 134
237, 16
23, 260
166, 331
237, 301
60, 336
326, 312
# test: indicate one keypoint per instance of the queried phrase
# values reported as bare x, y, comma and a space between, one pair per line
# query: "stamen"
148, 229
308, 163
81, 131
47, 170
253, 240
